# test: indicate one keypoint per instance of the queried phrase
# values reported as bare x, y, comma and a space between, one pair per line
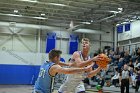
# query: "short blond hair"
85, 39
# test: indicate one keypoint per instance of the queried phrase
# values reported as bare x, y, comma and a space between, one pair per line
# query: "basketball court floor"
29, 88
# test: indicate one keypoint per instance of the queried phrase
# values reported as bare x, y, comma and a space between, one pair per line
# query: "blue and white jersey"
44, 83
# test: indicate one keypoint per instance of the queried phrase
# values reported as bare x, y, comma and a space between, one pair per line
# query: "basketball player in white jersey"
73, 83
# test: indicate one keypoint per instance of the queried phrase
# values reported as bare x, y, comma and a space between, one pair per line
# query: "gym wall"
130, 39
22, 54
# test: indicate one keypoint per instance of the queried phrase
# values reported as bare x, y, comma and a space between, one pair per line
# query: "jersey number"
42, 73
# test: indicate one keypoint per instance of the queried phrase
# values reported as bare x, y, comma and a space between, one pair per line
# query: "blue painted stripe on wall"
18, 74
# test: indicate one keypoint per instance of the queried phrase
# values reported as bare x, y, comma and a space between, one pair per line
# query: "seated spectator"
133, 76
100, 80
127, 57
138, 55
136, 64
111, 56
115, 78
120, 64
131, 64
116, 57
95, 65
133, 55
137, 81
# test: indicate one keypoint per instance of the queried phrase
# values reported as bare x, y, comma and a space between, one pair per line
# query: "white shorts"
80, 88
68, 89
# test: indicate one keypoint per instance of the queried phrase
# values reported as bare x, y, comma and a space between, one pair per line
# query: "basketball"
104, 61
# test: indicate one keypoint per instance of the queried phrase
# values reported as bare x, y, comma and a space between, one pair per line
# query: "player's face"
85, 45
57, 59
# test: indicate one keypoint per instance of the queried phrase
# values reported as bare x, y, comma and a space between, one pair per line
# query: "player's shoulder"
56, 65
77, 53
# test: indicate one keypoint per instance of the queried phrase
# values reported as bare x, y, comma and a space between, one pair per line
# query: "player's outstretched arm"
57, 69
81, 63
94, 72
64, 64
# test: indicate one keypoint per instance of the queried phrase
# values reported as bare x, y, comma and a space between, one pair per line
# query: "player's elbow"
90, 75
80, 65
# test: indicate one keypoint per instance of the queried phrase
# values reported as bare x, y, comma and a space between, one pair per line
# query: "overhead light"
120, 9
91, 21
117, 24
34, 1
115, 12
40, 18
89, 31
42, 14
86, 23
131, 20
57, 4
125, 22
15, 11
23, 16
14, 15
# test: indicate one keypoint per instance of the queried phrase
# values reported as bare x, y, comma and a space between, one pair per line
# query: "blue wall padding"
18, 74
50, 41
73, 44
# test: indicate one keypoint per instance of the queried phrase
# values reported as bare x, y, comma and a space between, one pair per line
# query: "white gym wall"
130, 38
28, 43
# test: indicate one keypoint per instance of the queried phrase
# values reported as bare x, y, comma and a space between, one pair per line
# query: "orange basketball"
104, 61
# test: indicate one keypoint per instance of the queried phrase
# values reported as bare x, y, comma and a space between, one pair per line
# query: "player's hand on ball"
103, 62
97, 58
88, 68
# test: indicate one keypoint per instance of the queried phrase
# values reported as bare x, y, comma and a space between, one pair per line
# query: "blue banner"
50, 41
127, 27
73, 44
120, 28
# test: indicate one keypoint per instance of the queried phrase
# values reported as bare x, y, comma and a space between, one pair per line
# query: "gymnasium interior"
29, 29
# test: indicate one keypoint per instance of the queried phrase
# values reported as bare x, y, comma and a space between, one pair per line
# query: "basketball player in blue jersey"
73, 83
48, 70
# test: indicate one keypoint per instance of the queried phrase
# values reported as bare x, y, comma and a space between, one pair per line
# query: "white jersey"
73, 83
